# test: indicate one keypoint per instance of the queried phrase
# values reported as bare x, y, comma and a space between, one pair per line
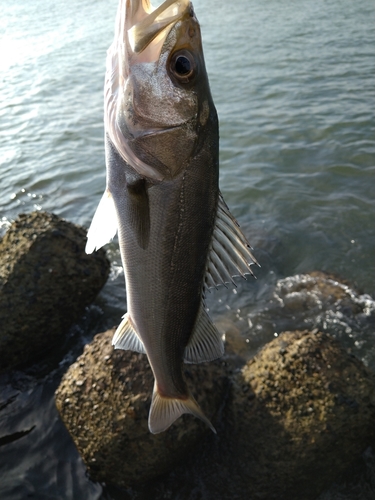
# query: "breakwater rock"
291, 420
46, 281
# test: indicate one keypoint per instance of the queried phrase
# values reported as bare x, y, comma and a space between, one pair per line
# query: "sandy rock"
46, 281
104, 400
299, 414
302, 410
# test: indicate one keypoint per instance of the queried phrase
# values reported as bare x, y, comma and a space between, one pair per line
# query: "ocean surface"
293, 83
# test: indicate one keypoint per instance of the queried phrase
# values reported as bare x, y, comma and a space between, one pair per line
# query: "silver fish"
177, 237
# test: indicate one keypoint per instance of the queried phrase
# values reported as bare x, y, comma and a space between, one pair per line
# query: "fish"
176, 234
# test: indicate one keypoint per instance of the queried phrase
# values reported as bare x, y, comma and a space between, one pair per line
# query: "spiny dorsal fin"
206, 343
164, 411
126, 337
230, 253
104, 224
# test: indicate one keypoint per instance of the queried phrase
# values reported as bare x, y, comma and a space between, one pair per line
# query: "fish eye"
182, 66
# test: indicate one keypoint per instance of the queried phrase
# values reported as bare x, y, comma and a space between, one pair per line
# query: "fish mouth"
143, 29
154, 131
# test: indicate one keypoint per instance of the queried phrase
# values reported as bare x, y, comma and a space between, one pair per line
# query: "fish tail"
164, 411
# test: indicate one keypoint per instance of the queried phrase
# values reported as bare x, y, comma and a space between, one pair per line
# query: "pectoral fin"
104, 224
230, 253
126, 337
139, 211
206, 343
164, 411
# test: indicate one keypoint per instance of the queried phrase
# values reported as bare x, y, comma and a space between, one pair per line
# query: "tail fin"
164, 411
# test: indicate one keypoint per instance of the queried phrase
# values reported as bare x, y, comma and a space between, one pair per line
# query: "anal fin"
206, 343
126, 337
164, 411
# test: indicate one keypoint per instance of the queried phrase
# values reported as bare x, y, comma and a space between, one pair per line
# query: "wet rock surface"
297, 416
104, 400
317, 300
46, 281
324, 297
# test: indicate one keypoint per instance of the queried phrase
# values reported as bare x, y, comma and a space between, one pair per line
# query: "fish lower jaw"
136, 134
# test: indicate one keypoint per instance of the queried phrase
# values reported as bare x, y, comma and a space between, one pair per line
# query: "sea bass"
176, 235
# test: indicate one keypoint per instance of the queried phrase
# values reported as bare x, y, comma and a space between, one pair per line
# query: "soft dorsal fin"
206, 343
230, 253
104, 224
126, 337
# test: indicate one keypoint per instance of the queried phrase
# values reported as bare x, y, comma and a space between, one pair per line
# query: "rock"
298, 415
104, 400
302, 411
46, 281
356, 483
